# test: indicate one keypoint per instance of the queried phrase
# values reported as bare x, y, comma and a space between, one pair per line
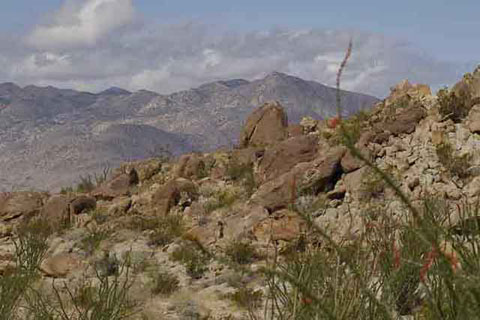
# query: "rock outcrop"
265, 126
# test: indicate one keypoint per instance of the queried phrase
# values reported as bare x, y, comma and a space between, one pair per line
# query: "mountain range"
49, 137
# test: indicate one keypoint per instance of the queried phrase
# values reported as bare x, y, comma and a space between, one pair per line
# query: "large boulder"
17, 204
56, 210
405, 89
285, 155
266, 125
473, 119
283, 225
116, 187
61, 265
82, 204
403, 122
190, 166
170, 194
319, 175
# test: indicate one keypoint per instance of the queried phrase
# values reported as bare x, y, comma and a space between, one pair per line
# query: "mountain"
50, 136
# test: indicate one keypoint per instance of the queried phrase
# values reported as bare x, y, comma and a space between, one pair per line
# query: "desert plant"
242, 173
247, 298
456, 165
454, 106
107, 300
164, 283
194, 260
31, 245
166, 230
12, 287
223, 199
91, 241
240, 252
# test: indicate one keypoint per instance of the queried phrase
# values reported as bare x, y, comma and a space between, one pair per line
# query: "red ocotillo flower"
332, 123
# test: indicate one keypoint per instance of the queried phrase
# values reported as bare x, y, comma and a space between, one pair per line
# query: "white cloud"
86, 47
82, 23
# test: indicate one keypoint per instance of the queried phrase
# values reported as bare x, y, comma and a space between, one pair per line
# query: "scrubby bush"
166, 230
247, 298
453, 106
164, 283
240, 252
242, 173
456, 165
194, 260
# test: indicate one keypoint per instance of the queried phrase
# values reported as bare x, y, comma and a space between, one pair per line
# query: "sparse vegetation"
242, 173
164, 283
240, 252
92, 240
453, 106
247, 298
223, 199
107, 300
194, 260
456, 165
166, 230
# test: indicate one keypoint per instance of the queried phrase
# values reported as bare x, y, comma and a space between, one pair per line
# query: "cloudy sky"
171, 45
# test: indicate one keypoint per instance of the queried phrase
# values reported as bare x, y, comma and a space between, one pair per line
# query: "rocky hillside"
49, 137
187, 227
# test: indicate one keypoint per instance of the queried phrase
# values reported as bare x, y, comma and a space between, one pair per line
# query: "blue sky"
434, 40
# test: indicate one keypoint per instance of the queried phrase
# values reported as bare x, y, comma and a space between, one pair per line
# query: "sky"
171, 45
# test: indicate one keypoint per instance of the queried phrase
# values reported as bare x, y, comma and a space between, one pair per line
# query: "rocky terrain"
196, 230
49, 137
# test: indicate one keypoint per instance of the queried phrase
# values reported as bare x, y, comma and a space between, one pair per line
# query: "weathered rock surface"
16, 204
171, 193
61, 265
265, 126
285, 155
82, 204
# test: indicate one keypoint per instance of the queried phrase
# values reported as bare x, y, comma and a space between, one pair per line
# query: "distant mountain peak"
234, 83
114, 91
277, 74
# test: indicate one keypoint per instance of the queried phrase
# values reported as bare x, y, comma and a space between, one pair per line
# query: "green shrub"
242, 173
247, 298
31, 245
240, 252
108, 300
166, 229
93, 239
453, 106
223, 199
456, 165
193, 259
164, 283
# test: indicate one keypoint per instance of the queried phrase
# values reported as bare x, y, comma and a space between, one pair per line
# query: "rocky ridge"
254, 193
49, 137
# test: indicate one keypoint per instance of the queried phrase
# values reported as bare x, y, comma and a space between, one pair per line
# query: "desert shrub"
164, 283
247, 298
92, 240
166, 229
222, 199
456, 165
108, 299
453, 106
194, 260
240, 252
31, 245
99, 215
12, 287
242, 173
